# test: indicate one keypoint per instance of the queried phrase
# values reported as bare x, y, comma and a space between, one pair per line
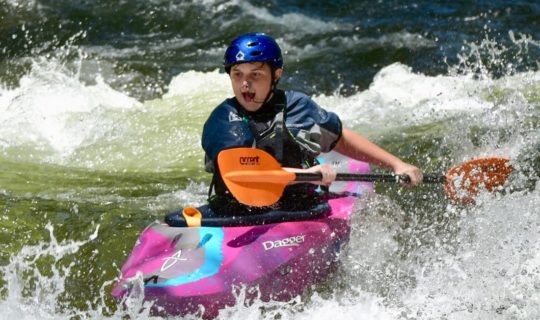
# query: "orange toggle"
192, 216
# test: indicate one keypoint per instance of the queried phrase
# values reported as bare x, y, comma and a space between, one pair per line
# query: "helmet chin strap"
272, 88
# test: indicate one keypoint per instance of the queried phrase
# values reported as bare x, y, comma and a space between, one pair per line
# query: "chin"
251, 106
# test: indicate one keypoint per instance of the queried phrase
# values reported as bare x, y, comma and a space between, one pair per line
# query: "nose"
245, 84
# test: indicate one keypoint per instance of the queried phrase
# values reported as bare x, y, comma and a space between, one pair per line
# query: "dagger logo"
172, 260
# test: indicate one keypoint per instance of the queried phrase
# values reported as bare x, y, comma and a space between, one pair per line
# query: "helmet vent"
253, 44
256, 53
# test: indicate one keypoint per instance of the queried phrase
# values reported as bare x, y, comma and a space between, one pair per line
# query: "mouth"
249, 96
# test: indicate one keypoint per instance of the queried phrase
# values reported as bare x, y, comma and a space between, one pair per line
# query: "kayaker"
287, 124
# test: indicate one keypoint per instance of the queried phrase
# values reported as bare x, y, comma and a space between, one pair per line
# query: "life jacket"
271, 135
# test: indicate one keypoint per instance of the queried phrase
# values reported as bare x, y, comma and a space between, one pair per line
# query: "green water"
75, 202
78, 187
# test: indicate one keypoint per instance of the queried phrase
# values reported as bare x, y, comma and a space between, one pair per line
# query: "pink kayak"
188, 269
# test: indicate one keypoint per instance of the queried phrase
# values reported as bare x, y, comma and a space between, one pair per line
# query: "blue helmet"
253, 47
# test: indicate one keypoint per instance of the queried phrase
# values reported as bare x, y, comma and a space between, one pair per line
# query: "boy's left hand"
413, 172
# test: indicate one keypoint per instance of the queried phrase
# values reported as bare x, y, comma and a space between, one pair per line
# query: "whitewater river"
101, 111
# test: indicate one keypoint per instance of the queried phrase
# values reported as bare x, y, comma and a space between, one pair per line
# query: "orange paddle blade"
465, 181
254, 177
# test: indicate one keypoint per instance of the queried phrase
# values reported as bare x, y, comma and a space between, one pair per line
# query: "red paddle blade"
466, 180
253, 176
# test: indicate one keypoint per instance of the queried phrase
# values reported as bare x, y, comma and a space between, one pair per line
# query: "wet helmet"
253, 47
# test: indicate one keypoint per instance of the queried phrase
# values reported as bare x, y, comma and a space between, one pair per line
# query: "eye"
236, 75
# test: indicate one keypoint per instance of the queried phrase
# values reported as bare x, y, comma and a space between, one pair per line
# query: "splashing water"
81, 148
36, 278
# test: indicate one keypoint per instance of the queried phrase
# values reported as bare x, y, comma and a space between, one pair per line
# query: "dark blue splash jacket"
291, 127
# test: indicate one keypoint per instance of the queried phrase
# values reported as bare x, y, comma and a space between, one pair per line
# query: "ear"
277, 73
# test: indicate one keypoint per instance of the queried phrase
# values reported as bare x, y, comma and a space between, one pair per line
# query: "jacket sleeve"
314, 128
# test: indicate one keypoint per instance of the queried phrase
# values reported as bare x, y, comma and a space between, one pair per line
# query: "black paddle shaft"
370, 177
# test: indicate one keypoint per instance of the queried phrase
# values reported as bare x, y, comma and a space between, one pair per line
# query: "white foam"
299, 22
53, 114
399, 97
495, 271
397, 40
52, 107
200, 83
32, 291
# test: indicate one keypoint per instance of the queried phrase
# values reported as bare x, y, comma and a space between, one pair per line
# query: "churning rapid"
101, 111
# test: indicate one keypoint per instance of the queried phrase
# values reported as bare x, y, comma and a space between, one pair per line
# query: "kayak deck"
186, 268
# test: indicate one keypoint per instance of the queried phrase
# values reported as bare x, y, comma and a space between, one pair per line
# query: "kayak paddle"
255, 178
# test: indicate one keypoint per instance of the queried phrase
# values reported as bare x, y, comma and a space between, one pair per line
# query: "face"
251, 83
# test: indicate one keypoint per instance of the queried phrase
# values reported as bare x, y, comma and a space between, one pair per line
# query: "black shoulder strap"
280, 124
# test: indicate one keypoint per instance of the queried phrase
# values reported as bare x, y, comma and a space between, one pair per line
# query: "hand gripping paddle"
255, 178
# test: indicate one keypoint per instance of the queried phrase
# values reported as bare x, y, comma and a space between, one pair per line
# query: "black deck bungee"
176, 218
